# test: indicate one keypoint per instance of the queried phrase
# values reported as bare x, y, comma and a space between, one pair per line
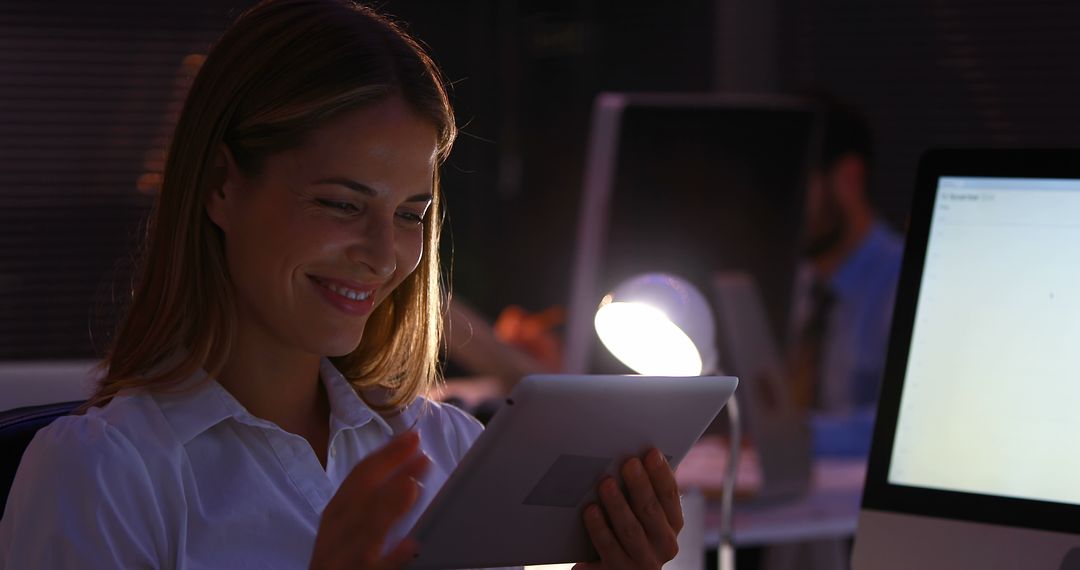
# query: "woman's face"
327, 230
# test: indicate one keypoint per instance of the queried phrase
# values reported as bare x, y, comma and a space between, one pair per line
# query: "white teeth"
349, 293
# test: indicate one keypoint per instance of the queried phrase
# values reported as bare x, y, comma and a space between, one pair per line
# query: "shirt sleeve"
82, 498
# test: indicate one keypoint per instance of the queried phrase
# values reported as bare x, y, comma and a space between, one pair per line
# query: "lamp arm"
726, 557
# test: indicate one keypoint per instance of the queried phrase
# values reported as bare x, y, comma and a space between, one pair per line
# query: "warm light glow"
149, 183
643, 338
193, 61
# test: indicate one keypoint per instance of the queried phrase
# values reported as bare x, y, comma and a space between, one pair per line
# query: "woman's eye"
343, 206
411, 217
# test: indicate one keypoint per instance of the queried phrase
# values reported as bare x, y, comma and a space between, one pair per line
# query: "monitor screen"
990, 398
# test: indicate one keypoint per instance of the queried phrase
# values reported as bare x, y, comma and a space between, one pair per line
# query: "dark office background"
89, 91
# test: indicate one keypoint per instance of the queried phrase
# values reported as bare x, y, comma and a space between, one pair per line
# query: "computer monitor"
691, 185
975, 461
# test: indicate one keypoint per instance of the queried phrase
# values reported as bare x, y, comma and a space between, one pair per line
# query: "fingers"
625, 524
372, 473
380, 465
607, 546
397, 495
368, 536
647, 507
665, 487
415, 467
400, 555
376, 493
643, 531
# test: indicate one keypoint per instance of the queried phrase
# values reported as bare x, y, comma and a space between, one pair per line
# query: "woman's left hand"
639, 531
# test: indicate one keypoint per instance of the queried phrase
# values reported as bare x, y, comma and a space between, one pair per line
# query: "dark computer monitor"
691, 185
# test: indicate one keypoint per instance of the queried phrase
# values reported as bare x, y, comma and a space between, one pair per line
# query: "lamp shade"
658, 324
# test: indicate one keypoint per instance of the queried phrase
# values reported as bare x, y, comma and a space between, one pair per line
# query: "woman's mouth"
347, 297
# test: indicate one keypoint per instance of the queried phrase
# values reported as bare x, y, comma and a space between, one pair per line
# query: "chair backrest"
17, 428
35, 383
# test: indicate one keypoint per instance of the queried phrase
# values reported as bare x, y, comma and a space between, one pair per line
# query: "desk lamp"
661, 325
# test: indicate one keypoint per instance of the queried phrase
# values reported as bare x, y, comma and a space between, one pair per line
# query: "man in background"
846, 285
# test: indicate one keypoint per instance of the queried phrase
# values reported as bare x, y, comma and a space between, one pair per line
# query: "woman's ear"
221, 189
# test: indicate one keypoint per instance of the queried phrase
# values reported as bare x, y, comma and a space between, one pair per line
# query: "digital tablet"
518, 495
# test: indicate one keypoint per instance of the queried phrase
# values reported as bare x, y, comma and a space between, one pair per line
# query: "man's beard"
825, 236
824, 242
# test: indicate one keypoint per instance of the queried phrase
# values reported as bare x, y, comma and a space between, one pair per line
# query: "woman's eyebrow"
367, 190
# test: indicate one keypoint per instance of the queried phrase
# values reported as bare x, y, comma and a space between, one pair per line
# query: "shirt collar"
347, 408
200, 402
195, 406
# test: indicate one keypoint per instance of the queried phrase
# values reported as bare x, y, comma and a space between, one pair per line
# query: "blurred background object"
87, 91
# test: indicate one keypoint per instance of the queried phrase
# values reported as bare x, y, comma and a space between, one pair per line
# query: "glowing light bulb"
645, 339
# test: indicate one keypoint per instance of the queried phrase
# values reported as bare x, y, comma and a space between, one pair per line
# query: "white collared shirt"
193, 480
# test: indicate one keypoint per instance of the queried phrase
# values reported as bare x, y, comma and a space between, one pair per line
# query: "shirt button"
333, 452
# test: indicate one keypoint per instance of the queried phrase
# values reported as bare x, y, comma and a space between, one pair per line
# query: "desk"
828, 511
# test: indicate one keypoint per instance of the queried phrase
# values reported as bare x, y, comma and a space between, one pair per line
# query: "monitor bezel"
881, 495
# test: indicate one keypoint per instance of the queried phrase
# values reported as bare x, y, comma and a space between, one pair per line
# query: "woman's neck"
276, 384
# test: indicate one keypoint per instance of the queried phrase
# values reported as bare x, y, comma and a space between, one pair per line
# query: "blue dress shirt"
856, 340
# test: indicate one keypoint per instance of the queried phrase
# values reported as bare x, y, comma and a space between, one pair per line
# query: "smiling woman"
263, 399
284, 321
281, 72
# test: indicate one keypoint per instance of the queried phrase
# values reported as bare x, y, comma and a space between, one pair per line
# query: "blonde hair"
283, 69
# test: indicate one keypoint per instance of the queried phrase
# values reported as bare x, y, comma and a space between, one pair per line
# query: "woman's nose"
375, 249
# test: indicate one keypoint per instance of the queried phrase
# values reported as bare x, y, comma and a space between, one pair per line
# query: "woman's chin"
337, 345
341, 349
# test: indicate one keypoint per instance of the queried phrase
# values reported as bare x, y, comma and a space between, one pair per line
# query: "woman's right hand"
375, 494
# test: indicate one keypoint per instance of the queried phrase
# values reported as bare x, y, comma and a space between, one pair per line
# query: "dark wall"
525, 74
927, 73
933, 73
88, 94
87, 91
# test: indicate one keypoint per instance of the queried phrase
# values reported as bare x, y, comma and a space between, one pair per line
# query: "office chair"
17, 428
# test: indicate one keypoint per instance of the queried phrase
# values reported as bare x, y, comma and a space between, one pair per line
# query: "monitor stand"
889, 541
